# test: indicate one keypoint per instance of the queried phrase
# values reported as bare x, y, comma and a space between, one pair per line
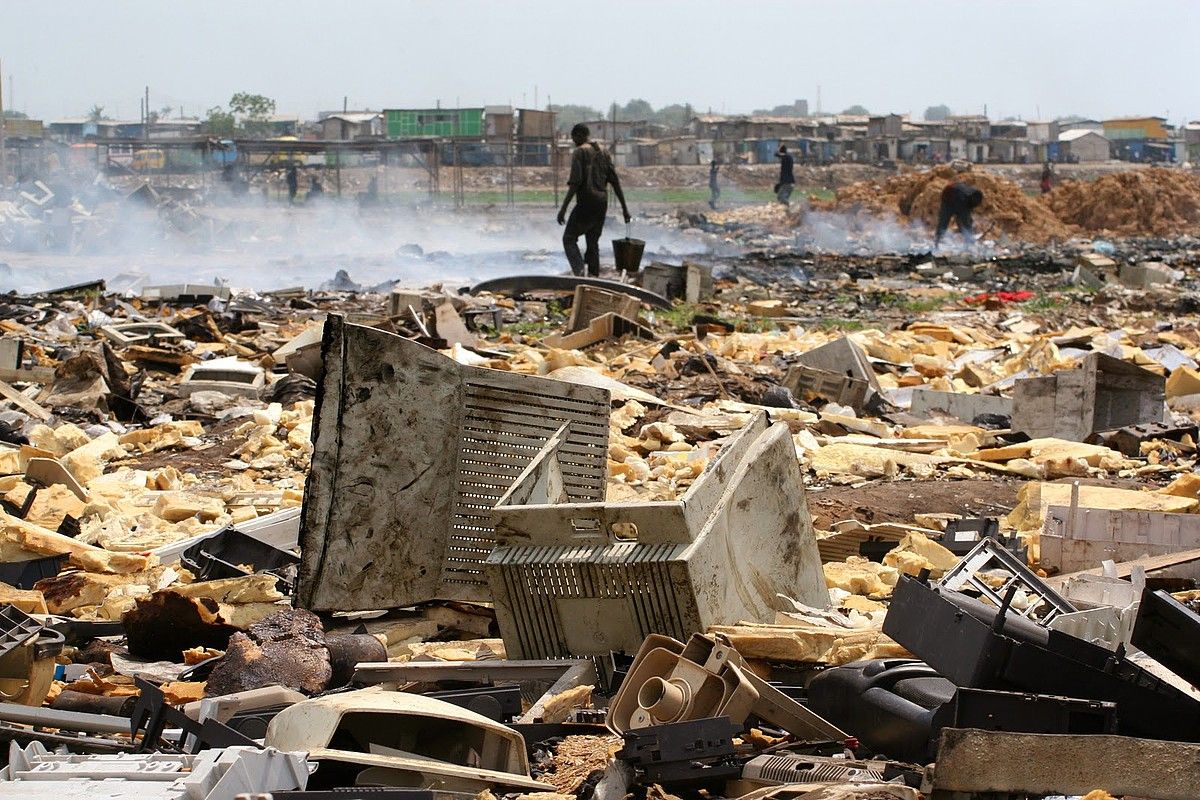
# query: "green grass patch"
841, 324
1052, 300
917, 305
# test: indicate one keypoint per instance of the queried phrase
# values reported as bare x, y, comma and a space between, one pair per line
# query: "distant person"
591, 173
714, 190
787, 176
958, 201
293, 182
315, 189
1047, 178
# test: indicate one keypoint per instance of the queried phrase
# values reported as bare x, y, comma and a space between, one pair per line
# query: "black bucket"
628, 254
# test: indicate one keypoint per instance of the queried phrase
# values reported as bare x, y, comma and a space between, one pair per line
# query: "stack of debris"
479, 543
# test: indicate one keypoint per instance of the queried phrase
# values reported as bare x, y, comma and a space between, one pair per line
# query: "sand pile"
916, 196
1149, 202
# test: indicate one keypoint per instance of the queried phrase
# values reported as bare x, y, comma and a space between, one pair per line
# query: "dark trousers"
961, 214
714, 193
588, 222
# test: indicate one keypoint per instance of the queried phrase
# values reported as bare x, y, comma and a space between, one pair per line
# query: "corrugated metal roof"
1077, 133
357, 118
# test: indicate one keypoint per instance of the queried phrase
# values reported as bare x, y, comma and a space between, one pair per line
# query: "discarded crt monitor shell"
411, 450
585, 579
402, 739
228, 375
129, 333
1102, 394
673, 682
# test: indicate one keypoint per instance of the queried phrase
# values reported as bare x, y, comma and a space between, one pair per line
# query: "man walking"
293, 182
787, 177
591, 173
714, 190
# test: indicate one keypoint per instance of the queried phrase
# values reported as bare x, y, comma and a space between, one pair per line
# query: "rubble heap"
1159, 202
917, 195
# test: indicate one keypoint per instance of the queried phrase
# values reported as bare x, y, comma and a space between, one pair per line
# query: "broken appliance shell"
229, 375
129, 333
585, 579
1102, 394
33, 773
406, 740
410, 452
673, 682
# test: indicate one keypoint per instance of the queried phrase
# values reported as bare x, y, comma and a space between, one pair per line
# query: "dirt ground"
898, 501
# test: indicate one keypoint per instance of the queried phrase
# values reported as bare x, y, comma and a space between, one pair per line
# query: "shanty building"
449, 123
1083, 145
347, 126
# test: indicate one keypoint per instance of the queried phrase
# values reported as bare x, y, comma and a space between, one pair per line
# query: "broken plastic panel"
501, 703
974, 646
992, 710
672, 682
153, 720
1077, 537
683, 753
552, 677
140, 333
1169, 631
228, 552
843, 357
785, 768
962, 535
835, 387
602, 329
27, 653
24, 574
411, 451
16, 629
1041, 603
591, 302
33, 773
584, 579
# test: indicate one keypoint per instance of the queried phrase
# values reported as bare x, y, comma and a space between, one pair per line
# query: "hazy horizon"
1016, 58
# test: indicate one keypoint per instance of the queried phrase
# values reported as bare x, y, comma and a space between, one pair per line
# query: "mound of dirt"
1148, 202
917, 195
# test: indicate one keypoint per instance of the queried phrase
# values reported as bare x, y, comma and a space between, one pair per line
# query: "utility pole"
146, 127
3, 152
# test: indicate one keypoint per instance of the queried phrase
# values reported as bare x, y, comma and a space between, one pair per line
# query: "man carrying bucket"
591, 173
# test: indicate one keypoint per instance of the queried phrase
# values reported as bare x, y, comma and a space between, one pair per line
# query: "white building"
1083, 145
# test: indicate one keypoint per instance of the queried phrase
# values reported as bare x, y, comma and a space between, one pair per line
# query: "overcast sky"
1018, 57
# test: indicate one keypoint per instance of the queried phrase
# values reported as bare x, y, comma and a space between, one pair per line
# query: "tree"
856, 111
254, 111
674, 115
12, 113
165, 112
568, 115
219, 122
636, 110
787, 110
937, 112
97, 113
